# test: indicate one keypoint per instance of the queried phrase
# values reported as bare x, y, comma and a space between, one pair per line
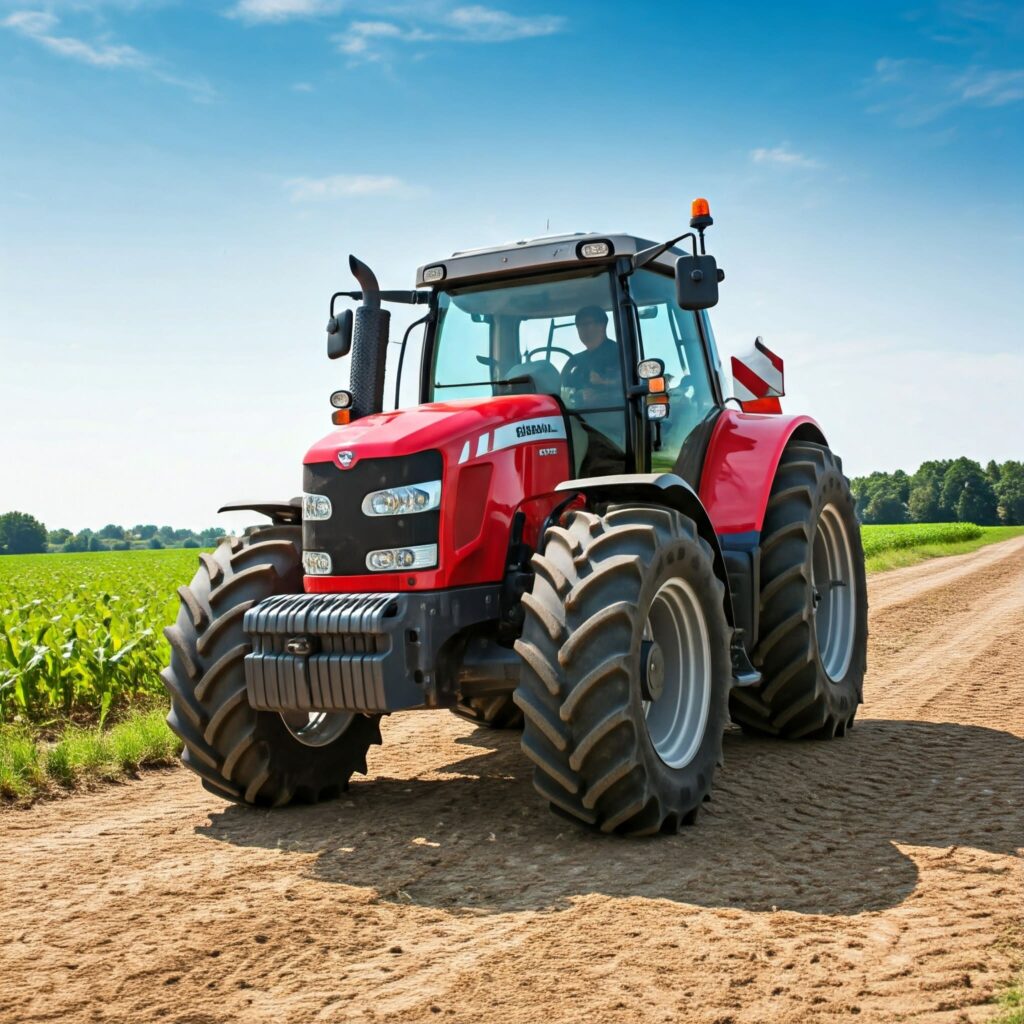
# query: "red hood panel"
437, 425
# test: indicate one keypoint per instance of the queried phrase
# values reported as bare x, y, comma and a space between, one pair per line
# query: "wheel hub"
652, 670
833, 597
675, 673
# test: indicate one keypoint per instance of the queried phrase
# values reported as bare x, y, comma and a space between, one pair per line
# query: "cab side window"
671, 334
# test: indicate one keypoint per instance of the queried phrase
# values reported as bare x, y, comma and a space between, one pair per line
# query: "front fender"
665, 489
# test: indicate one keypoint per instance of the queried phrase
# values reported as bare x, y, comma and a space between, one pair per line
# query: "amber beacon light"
700, 214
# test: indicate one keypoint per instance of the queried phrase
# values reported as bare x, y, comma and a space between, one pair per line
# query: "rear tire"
241, 754
497, 712
615, 746
812, 648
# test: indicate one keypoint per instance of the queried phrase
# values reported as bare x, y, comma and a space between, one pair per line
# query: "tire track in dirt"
876, 876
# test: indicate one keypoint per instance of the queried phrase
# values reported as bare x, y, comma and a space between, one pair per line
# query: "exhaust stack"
369, 344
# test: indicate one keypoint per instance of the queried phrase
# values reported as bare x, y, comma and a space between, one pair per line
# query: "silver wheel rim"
677, 720
833, 584
316, 728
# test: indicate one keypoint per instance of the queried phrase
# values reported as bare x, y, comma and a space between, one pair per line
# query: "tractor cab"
636, 375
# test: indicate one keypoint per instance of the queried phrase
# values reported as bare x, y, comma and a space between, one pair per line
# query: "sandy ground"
876, 876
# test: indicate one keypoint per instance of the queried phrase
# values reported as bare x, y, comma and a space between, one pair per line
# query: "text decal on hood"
545, 428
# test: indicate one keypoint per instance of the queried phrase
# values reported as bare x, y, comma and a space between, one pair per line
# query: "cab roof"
535, 255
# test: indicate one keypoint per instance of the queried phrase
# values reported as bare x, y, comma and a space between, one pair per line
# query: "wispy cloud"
42, 28
783, 156
347, 186
991, 88
917, 92
374, 40
283, 10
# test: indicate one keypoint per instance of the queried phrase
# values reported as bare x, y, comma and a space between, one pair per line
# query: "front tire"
812, 648
626, 670
253, 757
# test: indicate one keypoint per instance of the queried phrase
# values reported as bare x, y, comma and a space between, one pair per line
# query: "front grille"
350, 534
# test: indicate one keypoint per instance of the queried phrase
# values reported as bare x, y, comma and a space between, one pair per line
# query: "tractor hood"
463, 430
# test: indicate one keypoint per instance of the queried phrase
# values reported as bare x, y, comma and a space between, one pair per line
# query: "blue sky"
180, 185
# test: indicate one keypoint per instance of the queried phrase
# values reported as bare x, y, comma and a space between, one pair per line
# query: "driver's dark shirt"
603, 360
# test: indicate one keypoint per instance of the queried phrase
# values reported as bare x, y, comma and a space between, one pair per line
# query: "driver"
595, 373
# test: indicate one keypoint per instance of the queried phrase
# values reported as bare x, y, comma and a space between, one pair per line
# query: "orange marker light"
700, 208
656, 384
340, 417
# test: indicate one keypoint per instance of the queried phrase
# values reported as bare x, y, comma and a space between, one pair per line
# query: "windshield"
552, 335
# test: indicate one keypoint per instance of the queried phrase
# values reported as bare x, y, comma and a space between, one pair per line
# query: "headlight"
423, 556
402, 501
316, 563
316, 506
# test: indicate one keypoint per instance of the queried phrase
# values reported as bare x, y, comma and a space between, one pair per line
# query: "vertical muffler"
369, 344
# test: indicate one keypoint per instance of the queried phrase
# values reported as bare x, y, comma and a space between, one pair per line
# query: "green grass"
1011, 1005
31, 766
893, 547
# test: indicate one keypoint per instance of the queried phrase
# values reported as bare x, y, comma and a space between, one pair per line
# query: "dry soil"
875, 877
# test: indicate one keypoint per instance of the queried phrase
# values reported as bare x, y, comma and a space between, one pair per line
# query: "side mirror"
697, 280
339, 335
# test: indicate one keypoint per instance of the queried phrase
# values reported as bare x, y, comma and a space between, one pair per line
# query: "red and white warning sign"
758, 374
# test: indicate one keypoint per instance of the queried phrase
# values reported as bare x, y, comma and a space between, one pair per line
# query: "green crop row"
81, 634
877, 539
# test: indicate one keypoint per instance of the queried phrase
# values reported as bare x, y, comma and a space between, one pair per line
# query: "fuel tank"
494, 458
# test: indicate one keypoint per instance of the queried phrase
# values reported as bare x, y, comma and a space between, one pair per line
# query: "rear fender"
739, 466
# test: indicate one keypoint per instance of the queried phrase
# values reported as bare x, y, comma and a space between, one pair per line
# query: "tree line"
22, 534
944, 491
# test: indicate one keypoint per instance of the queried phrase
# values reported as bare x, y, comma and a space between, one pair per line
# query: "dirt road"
876, 876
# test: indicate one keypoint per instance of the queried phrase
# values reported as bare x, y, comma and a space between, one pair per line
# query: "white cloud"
918, 91
783, 157
41, 27
368, 40
303, 87
346, 186
991, 88
480, 24
283, 10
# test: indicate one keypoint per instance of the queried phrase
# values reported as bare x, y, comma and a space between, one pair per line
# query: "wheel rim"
677, 719
833, 584
316, 728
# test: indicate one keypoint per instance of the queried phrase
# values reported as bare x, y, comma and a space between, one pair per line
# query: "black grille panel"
349, 534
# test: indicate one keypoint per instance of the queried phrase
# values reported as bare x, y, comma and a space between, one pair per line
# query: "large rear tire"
497, 712
812, 648
254, 757
626, 670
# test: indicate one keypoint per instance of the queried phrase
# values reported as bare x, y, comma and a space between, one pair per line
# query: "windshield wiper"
485, 383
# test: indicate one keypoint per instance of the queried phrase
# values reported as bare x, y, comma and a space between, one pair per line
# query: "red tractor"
573, 532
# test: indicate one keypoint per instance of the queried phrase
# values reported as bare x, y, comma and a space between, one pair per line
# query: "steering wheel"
530, 353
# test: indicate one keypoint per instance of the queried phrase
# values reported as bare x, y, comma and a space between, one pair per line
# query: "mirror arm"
646, 255
405, 298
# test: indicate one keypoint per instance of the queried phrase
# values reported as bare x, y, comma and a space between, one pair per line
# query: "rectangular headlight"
316, 563
403, 501
421, 556
316, 507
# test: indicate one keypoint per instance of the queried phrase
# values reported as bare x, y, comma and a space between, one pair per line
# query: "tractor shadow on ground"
807, 827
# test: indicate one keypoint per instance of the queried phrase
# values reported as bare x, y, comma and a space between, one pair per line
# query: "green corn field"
81, 634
